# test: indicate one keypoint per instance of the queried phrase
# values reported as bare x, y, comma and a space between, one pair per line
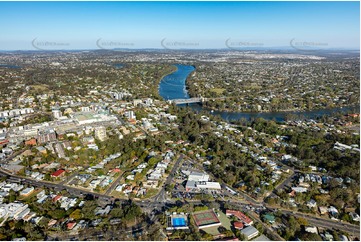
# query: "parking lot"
182, 194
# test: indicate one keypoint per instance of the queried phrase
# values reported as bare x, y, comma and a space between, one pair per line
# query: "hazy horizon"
179, 25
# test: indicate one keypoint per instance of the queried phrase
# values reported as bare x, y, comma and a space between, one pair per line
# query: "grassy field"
217, 90
150, 193
118, 194
29, 197
40, 87
225, 223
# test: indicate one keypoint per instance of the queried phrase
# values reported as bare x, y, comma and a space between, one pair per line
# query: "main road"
161, 196
160, 201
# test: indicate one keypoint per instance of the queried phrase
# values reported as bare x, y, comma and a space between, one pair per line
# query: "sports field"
207, 217
214, 229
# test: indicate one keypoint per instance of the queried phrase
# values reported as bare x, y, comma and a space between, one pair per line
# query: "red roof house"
240, 216
57, 198
71, 225
238, 225
116, 170
30, 142
58, 173
4, 142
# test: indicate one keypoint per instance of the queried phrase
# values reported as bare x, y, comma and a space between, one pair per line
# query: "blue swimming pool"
178, 222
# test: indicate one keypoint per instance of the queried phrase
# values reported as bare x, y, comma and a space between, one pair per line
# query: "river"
9, 66
173, 86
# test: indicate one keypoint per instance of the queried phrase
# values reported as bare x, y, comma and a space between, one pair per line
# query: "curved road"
159, 201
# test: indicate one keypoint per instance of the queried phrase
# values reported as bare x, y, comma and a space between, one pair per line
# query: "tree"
206, 236
11, 196
259, 227
88, 210
302, 221
228, 233
117, 212
76, 214
57, 213
309, 236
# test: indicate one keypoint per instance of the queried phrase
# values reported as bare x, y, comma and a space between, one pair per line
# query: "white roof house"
312, 203
311, 229
322, 210
27, 191
332, 210
354, 216
299, 189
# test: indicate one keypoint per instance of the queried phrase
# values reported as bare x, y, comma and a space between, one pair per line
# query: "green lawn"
217, 90
150, 193
225, 223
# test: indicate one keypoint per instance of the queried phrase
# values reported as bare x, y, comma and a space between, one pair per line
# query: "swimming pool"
178, 222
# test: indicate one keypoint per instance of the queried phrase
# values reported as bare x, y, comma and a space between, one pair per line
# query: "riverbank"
174, 86
250, 110
162, 77
279, 111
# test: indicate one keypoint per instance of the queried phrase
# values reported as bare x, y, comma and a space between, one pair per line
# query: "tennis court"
203, 218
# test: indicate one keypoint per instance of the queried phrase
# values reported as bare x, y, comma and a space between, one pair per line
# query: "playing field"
203, 218
225, 223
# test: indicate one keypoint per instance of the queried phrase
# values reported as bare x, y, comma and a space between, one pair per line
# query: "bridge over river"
187, 101
196, 100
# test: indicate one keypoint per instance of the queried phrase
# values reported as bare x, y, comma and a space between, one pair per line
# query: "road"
313, 220
327, 223
114, 184
68, 178
57, 187
159, 201
270, 231
285, 182
161, 196
14, 154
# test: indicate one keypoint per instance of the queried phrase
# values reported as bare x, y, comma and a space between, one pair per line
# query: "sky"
175, 25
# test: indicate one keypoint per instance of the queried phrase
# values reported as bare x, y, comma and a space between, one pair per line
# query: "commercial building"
197, 176
57, 113
196, 186
100, 133
59, 150
46, 136
92, 117
250, 232
130, 115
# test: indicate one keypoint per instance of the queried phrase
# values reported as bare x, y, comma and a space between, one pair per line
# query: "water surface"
173, 86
